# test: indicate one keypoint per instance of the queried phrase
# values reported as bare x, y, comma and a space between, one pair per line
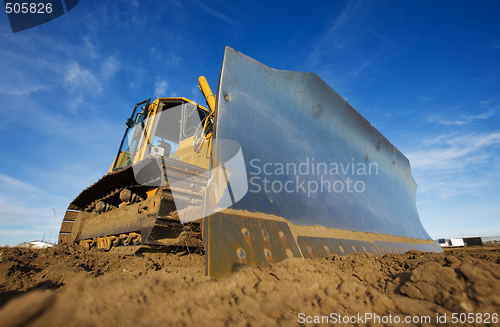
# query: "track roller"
101, 207
128, 196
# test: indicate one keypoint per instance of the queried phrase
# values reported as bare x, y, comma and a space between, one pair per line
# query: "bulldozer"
276, 165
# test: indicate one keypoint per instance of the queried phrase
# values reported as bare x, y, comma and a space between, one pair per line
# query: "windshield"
132, 135
192, 118
160, 133
165, 131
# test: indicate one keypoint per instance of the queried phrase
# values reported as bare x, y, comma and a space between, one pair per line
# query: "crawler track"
100, 217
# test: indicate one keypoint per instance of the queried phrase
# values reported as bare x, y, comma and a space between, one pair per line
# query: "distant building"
491, 240
442, 242
473, 241
36, 245
470, 241
456, 242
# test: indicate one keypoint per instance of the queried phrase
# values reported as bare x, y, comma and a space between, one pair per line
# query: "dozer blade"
321, 179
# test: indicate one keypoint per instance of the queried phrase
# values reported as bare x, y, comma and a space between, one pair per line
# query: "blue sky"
426, 74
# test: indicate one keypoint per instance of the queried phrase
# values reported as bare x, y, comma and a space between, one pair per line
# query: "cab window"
192, 117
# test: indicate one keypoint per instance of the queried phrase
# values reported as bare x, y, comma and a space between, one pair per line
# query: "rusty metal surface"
70, 215
236, 240
104, 225
313, 247
66, 227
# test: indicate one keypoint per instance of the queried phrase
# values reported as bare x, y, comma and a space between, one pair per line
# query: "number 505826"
25, 8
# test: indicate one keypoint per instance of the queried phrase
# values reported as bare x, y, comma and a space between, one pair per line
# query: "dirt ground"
69, 286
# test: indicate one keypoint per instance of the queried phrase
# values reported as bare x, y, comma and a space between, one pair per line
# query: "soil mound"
71, 286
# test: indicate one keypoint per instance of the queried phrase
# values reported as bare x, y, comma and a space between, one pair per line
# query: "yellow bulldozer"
277, 165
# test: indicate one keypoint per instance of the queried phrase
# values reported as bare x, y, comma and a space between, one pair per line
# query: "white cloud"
161, 88
23, 73
217, 14
462, 119
90, 47
356, 72
449, 166
344, 17
12, 183
447, 153
27, 211
437, 119
332, 40
135, 5
485, 102
172, 59
484, 115
109, 67
28, 67
23, 88
79, 78
383, 37
84, 80
19, 232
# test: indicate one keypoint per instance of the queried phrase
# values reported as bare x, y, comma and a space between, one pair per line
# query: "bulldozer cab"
165, 128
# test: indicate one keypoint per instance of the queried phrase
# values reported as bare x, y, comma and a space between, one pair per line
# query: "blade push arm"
207, 92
